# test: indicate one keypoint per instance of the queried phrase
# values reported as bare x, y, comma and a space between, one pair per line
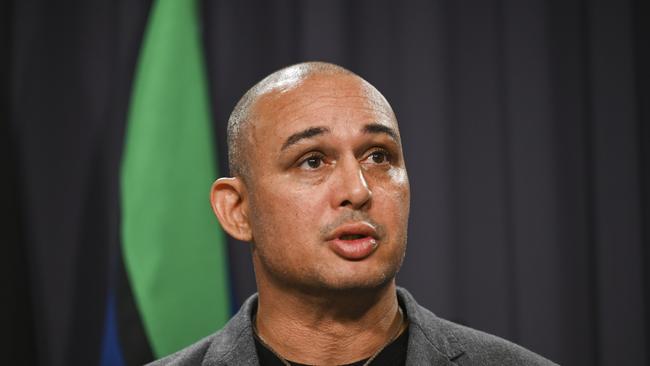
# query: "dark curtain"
525, 127
69, 67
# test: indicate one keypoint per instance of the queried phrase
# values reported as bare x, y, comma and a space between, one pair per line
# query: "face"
328, 190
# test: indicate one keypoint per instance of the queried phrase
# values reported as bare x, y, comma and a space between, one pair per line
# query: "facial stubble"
321, 276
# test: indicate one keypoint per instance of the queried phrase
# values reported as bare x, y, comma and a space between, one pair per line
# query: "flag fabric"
173, 249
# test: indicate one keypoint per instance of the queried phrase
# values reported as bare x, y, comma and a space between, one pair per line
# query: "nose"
352, 188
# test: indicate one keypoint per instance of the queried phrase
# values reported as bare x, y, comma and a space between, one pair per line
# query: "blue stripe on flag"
111, 350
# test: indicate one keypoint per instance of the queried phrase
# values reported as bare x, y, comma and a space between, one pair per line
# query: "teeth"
351, 236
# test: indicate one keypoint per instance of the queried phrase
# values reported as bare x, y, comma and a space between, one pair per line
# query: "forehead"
324, 100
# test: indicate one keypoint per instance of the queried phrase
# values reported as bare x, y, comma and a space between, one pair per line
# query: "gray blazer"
432, 341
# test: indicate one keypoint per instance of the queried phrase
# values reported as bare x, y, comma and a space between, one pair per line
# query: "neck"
336, 327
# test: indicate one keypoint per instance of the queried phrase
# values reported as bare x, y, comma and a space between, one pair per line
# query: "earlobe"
228, 199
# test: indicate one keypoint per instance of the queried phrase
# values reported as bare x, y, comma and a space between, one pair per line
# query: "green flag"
174, 250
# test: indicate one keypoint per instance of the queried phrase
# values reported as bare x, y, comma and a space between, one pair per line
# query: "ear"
229, 202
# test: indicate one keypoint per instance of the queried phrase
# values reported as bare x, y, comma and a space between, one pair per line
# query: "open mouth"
354, 231
354, 241
352, 236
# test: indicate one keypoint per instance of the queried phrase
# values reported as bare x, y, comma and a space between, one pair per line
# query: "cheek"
398, 177
284, 216
392, 198
393, 186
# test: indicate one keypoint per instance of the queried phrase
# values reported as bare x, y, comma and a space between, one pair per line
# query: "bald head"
245, 113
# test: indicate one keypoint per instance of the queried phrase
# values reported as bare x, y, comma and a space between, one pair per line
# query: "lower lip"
356, 249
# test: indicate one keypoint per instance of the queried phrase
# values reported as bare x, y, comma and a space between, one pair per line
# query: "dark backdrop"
525, 127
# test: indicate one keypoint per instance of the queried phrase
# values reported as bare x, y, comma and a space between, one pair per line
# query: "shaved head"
283, 80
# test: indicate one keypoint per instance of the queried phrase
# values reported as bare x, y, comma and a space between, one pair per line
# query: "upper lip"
356, 228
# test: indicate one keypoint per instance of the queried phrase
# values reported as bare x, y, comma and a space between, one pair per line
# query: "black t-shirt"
393, 355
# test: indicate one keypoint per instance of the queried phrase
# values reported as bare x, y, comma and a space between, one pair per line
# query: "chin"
356, 285
330, 276
358, 278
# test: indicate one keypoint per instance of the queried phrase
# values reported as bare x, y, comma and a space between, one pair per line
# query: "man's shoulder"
233, 344
192, 355
490, 349
461, 344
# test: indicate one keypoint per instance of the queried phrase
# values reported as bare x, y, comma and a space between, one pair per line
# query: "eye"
378, 157
312, 162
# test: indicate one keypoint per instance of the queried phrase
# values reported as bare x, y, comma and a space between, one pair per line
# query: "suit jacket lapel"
430, 342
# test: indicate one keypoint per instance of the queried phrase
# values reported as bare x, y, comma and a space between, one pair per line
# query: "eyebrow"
372, 128
379, 128
305, 134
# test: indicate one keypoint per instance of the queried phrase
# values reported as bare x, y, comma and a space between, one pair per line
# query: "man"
320, 190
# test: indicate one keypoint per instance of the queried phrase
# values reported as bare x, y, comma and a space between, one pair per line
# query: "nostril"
346, 203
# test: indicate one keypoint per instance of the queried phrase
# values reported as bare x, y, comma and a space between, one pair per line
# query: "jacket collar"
431, 342
234, 344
